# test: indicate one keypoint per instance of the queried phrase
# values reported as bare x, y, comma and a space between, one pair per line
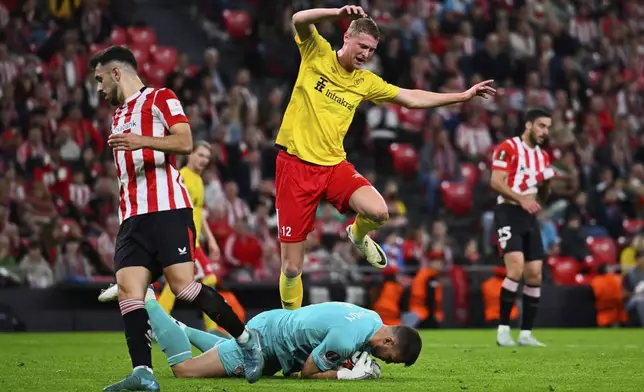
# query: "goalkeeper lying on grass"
319, 341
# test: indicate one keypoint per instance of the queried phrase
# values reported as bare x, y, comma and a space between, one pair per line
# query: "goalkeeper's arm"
312, 371
364, 368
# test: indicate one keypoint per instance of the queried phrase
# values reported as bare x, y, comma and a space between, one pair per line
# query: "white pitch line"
627, 346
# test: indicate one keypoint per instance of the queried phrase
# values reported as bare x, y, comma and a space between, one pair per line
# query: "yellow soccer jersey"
324, 101
194, 184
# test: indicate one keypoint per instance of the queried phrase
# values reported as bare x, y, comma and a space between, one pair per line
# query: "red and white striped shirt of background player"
526, 167
148, 179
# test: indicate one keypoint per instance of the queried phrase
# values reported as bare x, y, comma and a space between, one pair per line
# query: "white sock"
243, 338
525, 333
503, 328
146, 368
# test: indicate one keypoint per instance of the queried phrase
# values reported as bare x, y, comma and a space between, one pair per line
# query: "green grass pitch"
451, 360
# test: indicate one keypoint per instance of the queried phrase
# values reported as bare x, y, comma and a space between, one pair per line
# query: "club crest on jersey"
175, 107
125, 127
358, 81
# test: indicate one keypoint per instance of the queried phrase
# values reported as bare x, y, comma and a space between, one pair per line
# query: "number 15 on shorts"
504, 235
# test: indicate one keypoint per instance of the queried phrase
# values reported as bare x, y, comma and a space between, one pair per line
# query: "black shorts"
518, 231
155, 241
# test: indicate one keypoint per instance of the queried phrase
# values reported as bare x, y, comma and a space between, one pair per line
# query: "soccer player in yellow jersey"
312, 162
191, 174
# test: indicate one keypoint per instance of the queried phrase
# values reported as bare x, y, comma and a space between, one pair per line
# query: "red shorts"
202, 264
299, 188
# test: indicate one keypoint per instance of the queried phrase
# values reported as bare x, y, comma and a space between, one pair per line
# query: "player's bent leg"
291, 288
514, 264
204, 341
168, 333
372, 213
180, 278
531, 297
206, 365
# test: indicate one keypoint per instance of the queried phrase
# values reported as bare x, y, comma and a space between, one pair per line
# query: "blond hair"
364, 25
201, 143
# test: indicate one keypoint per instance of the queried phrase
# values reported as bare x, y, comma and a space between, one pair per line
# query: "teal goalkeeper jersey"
331, 332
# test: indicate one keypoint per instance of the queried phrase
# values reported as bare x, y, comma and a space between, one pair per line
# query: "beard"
535, 142
112, 98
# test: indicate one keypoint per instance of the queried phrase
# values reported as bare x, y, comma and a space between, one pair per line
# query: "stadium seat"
155, 75
405, 158
603, 250
633, 226
141, 36
118, 36
470, 173
95, 48
457, 197
564, 270
141, 53
237, 22
164, 56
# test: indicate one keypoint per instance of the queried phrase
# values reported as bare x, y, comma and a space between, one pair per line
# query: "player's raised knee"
291, 270
380, 215
377, 210
292, 259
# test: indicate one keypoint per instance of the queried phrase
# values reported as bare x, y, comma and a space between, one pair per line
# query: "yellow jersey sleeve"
314, 45
195, 187
379, 91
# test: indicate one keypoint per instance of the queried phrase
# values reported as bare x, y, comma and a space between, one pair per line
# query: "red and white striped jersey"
526, 167
235, 211
79, 195
148, 179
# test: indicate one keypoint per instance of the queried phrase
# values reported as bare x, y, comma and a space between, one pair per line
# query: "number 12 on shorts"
284, 231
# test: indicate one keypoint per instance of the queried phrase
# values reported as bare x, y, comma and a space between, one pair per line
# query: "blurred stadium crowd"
583, 60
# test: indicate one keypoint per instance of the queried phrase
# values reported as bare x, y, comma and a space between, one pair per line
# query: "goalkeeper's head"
399, 344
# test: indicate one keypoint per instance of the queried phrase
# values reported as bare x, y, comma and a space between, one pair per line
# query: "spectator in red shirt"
82, 129
243, 252
473, 137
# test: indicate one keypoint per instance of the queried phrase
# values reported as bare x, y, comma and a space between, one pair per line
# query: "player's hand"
125, 141
483, 89
530, 205
214, 253
352, 12
362, 369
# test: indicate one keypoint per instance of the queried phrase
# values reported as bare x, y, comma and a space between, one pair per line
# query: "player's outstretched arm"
421, 99
364, 368
303, 21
